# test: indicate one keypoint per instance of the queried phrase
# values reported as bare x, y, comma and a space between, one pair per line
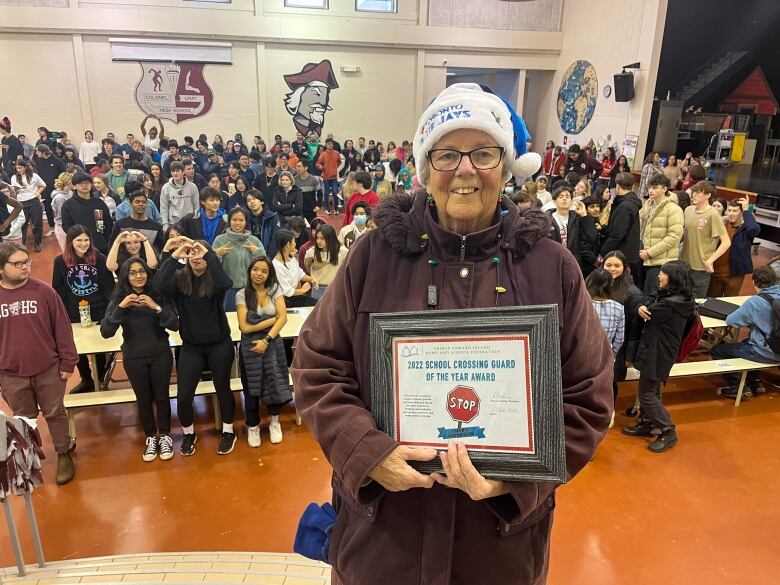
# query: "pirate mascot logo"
309, 95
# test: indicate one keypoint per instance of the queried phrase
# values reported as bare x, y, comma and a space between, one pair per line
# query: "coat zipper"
462, 248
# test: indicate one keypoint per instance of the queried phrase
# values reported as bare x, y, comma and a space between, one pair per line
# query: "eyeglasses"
483, 159
21, 264
135, 273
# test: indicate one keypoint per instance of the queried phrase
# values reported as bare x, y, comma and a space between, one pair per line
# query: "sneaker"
730, 392
640, 429
253, 436
82, 387
664, 442
226, 443
188, 444
166, 447
612, 420
757, 388
327, 212
49, 233
150, 452
275, 429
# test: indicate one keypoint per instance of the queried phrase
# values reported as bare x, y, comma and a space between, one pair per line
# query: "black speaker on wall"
624, 87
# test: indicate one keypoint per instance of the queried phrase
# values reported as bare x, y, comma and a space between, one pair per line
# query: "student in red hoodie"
329, 162
362, 192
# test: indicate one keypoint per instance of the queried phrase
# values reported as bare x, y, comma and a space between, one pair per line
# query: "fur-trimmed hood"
406, 222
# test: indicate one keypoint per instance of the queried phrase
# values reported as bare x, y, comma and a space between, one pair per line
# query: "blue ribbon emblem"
478, 432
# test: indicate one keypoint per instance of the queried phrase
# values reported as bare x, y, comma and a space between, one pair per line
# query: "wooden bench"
75, 403
711, 367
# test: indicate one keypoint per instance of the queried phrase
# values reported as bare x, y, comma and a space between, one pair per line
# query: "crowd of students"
156, 236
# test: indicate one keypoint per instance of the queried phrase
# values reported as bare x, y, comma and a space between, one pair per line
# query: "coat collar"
409, 225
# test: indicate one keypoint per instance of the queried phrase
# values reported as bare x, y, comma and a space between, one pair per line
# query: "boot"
665, 441
66, 468
642, 428
86, 385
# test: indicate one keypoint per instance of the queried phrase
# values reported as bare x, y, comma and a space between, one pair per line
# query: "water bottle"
84, 314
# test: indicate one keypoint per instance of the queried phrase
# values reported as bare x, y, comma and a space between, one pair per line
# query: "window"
323, 4
376, 6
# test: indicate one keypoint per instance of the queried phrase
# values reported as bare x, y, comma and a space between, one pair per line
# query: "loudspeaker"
624, 87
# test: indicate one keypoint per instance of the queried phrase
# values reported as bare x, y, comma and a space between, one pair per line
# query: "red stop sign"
463, 404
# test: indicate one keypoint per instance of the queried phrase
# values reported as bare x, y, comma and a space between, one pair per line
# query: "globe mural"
577, 97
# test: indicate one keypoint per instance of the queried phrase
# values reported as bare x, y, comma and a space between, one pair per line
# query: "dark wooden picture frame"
540, 324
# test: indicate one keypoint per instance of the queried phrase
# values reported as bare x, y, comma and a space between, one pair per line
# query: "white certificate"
474, 388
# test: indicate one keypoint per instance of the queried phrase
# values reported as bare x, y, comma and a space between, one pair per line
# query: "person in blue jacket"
731, 267
755, 314
263, 222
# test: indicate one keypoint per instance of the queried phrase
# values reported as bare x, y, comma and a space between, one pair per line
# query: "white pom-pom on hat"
526, 165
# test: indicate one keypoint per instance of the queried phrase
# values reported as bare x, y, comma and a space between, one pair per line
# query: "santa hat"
468, 105
5, 124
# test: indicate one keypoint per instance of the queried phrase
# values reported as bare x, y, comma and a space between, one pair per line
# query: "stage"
756, 179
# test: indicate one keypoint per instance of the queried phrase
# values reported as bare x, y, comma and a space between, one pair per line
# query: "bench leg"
741, 388
95, 376
71, 424
217, 413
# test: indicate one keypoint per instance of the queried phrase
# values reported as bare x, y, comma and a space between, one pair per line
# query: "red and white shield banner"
173, 91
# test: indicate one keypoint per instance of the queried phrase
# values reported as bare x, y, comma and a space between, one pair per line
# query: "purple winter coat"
439, 536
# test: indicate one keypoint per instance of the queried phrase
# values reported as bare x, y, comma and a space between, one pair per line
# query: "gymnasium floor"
705, 512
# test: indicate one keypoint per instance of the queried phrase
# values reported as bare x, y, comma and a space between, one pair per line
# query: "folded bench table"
711, 367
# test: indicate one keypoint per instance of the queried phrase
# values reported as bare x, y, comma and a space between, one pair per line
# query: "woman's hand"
259, 346
315, 283
462, 475
644, 313
396, 475
183, 251
130, 300
305, 287
251, 247
146, 300
644, 255
198, 251
223, 250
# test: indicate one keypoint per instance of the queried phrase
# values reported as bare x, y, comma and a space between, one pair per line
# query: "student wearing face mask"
294, 282
363, 193
361, 212
236, 248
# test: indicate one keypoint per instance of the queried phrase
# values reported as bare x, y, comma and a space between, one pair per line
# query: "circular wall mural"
577, 97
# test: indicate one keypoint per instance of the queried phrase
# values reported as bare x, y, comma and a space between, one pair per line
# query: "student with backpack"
666, 319
761, 314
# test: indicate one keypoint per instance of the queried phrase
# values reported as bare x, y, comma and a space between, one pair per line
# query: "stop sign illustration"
463, 404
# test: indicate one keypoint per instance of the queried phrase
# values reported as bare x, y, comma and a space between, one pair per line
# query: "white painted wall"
623, 32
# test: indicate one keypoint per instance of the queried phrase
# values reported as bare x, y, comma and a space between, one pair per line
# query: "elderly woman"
462, 527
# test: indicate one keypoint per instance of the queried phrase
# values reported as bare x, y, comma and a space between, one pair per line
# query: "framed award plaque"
490, 378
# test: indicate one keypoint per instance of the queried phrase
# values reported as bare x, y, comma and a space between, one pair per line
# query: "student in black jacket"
622, 230
287, 199
88, 211
198, 289
666, 318
48, 167
144, 315
80, 274
11, 147
574, 229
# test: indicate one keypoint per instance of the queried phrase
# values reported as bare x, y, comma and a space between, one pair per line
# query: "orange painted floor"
705, 512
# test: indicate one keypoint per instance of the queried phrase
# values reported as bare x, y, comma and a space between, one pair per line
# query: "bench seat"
75, 403
710, 367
